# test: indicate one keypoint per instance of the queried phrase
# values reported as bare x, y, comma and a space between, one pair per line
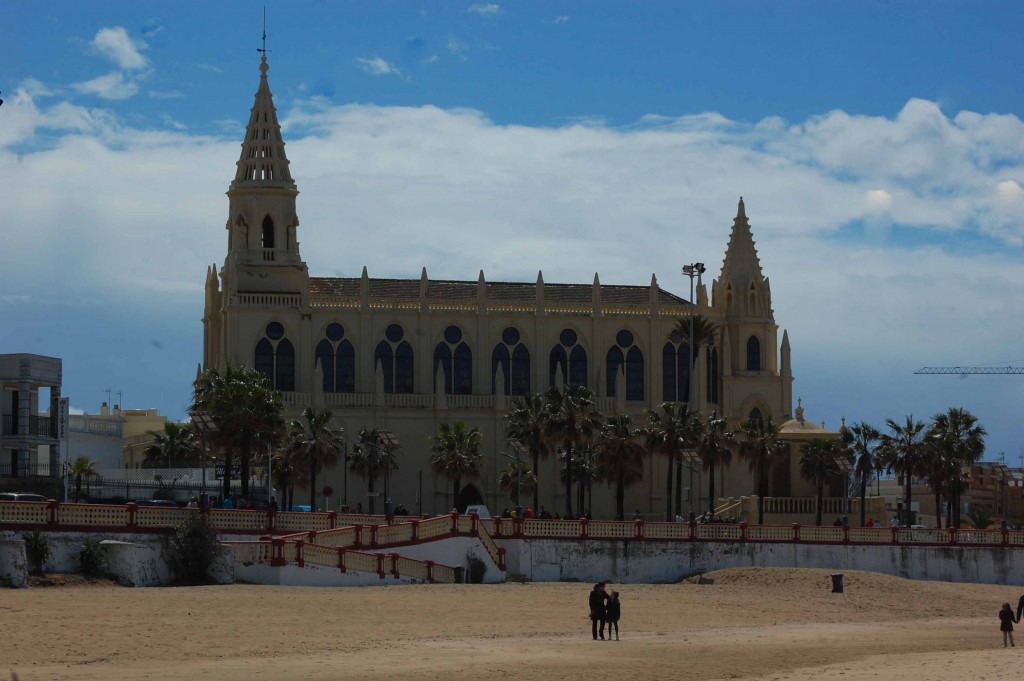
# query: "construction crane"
963, 371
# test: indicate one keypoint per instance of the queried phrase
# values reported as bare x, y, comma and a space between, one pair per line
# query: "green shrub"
91, 558
191, 549
477, 570
37, 550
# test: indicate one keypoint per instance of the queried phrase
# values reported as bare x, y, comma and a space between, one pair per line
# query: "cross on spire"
263, 50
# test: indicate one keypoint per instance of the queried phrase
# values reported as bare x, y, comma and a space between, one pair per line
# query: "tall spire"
741, 261
742, 283
263, 162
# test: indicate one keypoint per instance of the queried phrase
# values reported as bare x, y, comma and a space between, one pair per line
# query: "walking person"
598, 597
612, 613
1006, 620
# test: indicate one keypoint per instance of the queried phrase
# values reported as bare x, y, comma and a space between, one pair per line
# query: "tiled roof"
506, 291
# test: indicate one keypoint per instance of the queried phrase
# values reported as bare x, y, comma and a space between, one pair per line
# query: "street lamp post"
692, 270
204, 423
390, 442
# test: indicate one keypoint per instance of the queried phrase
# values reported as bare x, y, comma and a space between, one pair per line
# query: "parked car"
21, 496
162, 503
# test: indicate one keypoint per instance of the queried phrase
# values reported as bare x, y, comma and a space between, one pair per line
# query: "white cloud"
485, 9
455, 192
561, 19
166, 94
457, 48
1009, 192
116, 45
878, 201
376, 66
113, 85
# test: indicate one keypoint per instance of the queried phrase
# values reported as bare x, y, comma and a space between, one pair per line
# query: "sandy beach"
752, 624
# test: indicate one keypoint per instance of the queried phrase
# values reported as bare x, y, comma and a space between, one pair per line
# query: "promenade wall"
594, 560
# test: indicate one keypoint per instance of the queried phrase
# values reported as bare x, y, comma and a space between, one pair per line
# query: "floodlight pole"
692, 270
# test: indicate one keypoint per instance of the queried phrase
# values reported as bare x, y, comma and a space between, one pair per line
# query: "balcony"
38, 426
28, 470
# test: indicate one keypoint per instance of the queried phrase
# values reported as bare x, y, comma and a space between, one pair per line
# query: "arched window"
264, 360
500, 361
395, 357
513, 358
520, 370
458, 374
404, 368
345, 378
325, 358
634, 374
337, 360
613, 364
624, 352
572, 359
463, 383
668, 373
274, 357
675, 370
443, 362
712, 387
384, 357
284, 372
268, 232
756, 415
753, 354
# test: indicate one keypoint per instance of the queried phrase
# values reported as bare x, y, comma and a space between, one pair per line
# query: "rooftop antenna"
264, 49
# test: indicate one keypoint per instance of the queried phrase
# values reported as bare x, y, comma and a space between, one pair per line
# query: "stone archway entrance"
468, 496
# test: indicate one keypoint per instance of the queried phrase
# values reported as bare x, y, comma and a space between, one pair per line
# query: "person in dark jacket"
598, 597
613, 610
1006, 620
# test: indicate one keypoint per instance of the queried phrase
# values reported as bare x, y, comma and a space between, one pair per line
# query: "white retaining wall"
131, 559
548, 560
451, 551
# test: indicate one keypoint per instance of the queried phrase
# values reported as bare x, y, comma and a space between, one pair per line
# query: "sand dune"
736, 624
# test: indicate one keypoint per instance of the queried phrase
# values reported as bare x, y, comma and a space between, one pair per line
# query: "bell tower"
742, 295
263, 278
262, 225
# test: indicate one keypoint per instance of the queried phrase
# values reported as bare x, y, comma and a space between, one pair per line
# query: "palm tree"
940, 470
82, 467
525, 424
862, 441
289, 470
671, 429
704, 332
249, 415
819, 464
320, 445
517, 479
758, 443
176, 447
620, 458
902, 451
571, 421
713, 450
369, 458
456, 454
958, 435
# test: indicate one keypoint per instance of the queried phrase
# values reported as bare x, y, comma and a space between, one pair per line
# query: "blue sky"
878, 145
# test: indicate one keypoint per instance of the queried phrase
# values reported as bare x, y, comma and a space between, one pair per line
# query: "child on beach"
1006, 620
613, 610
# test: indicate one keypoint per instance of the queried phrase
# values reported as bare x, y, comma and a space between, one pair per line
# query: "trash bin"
837, 583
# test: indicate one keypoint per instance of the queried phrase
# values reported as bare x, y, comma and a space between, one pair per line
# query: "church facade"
404, 354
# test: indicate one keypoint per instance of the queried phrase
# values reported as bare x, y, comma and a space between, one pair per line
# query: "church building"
404, 354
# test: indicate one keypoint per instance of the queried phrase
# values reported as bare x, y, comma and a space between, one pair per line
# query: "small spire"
740, 210
480, 279
540, 277
597, 280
